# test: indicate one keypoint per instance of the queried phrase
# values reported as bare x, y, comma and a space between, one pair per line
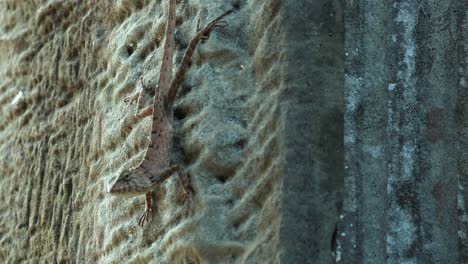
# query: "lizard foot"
187, 198
130, 99
188, 193
221, 24
186, 184
144, 217
147, 213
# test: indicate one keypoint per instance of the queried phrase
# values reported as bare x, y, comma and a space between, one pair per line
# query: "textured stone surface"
242, 119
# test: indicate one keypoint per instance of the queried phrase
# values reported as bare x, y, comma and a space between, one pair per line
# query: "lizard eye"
124, 177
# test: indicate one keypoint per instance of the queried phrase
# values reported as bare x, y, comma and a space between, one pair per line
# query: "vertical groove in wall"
312, 101
462, 135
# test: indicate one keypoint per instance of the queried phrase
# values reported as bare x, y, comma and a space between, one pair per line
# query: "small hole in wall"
222, 178
185, 89
229, 203
240, 143
145, 51
236, 225
243, 98
138, 5
189, 157
179, 21
153, 46
130, 49
236, 5
180, 113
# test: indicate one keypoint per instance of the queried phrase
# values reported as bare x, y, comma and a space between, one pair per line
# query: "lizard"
156, 166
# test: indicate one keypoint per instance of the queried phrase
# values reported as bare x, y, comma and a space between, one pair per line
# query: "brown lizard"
156, 166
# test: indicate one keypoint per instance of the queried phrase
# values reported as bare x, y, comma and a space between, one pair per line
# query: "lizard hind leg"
182, 175
144, 107
218, 24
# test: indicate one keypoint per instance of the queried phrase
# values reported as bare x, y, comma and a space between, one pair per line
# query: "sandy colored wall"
242, 118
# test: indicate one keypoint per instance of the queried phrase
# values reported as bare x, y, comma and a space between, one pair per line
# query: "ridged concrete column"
403, 116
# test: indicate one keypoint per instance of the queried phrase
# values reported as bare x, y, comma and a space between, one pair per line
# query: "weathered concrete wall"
261, 105
405, 133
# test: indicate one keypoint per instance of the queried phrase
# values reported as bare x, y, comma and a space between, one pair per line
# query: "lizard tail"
179, 76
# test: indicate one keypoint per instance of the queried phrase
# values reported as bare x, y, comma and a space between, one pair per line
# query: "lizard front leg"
137, 96
130, 99
159, 179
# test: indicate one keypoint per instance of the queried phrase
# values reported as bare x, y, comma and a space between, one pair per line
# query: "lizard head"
129, 184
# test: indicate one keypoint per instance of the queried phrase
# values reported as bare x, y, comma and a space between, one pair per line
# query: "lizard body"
156, 166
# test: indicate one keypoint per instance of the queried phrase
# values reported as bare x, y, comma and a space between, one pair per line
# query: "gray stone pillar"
402, 120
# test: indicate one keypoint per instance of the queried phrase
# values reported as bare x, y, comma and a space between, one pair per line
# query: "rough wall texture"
242, 118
